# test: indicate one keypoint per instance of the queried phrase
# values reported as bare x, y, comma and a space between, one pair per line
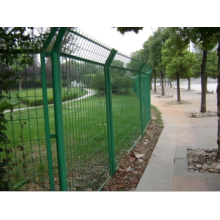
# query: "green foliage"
177, 60
34, 97
98, 82
118, 63
7, 80
211, 64
86, 79
157, 115
19, 184
120, 84
123, 30
206, 36
22, 38
137, 56
6, 104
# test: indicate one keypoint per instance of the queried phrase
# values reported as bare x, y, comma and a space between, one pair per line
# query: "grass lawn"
85, 137
33, 97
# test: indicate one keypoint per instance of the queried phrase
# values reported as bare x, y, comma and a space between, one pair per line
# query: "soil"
164, 96
179, 103
133, 164
201, 114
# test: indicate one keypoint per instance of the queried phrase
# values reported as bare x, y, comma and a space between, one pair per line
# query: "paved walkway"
167, 168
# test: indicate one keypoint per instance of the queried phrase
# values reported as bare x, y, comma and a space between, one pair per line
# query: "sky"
126, 44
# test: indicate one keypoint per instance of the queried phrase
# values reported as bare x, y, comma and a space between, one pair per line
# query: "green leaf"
2, 164
2, 173
3, 137
2, 127
19, 184
6, 104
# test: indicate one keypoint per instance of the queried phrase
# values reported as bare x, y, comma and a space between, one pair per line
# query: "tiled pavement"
167, 168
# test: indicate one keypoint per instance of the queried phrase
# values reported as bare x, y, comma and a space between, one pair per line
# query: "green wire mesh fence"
82, 108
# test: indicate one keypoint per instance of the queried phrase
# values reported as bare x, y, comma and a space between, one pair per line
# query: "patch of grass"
85, 137
34, 97
156, 115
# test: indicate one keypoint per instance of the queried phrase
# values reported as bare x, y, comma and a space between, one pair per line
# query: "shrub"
98, 82
120, 84
86, 79
38, 102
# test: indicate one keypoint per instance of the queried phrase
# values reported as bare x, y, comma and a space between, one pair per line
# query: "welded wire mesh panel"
82, 100
146, 106
146, 69
79, 45
124, 61
126, 111
26, 151
85, 124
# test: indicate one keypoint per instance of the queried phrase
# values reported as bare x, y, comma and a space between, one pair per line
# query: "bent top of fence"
72, 43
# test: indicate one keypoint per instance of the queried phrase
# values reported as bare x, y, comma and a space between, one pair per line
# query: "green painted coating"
58, 123
121, 68
58, 42
58, 109
49, 38
46, 121
129, 57
140, 98
111, 144
81, 59
88, 39
61, 106
149, 99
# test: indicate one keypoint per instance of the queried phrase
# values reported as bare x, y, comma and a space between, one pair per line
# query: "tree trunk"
162, 84
170, 83
165, 81
178, 87
218, 98
20, 85
155, 82
189, 84
203, 82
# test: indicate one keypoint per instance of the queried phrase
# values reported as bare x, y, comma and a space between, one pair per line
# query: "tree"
17, 68
177, 61
22, 38
118, 63
212, 63
135, 63
205, 35
207, 38
123, 30
154, 45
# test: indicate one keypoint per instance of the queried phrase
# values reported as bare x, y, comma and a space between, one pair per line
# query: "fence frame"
55, 54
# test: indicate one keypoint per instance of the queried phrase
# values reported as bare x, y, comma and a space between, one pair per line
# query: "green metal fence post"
149, 94
149, 101
49, 38
58, 110
140, 97
46, 121
111, 144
